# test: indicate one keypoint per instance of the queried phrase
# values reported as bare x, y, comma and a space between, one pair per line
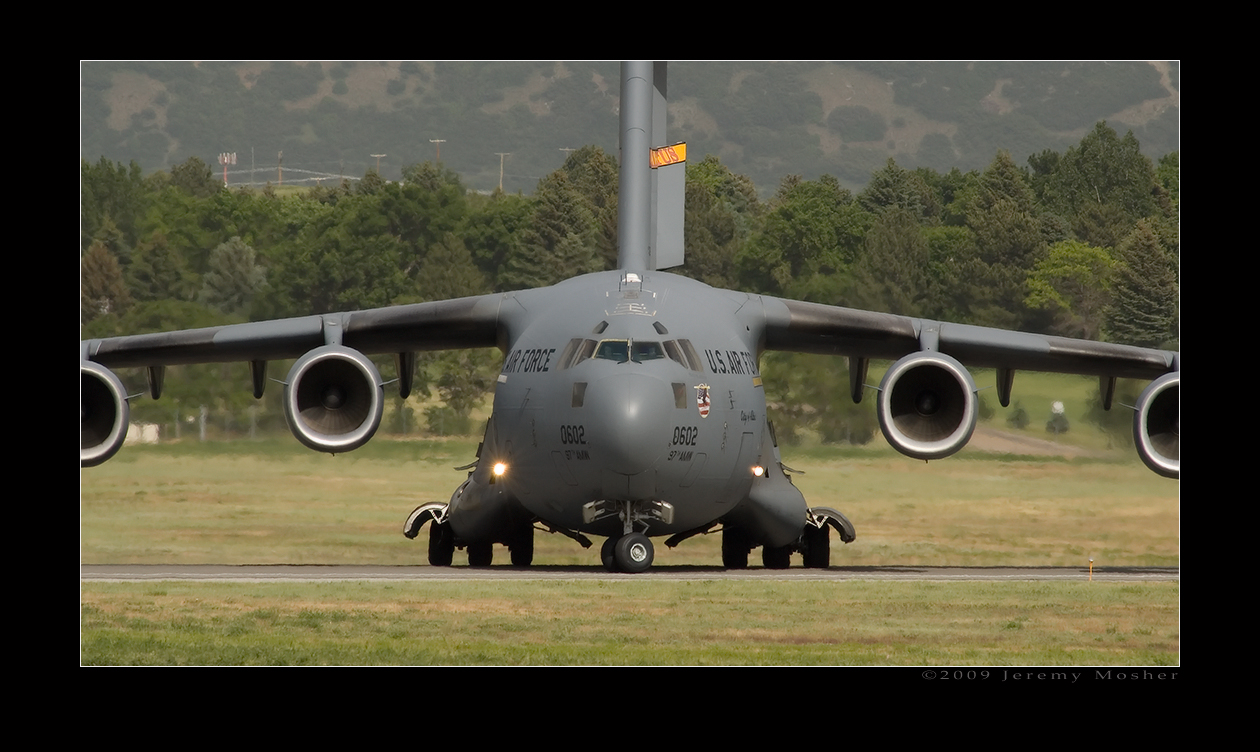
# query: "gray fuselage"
635, 387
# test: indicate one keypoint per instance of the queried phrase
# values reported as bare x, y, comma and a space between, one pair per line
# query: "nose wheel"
631, 553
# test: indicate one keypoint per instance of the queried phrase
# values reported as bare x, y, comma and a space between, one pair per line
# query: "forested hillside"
299, 123
1081, 242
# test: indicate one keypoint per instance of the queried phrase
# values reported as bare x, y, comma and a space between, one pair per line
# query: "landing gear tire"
734, 549
817, 547
441, 545
633, 553
606, 555
480, 554
522, 549
776, 558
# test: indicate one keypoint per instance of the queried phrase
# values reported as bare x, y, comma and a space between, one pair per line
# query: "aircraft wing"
333, 394
797, 326
440, 325
926, 402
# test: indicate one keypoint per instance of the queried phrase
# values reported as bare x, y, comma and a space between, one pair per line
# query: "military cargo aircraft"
630, 403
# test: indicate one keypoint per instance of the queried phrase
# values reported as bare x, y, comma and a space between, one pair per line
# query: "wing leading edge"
926, 402
440, 325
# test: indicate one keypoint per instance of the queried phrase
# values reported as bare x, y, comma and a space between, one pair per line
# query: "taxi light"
758, 470
499, 469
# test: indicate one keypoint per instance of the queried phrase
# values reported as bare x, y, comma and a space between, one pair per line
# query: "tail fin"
653, 174
669, 182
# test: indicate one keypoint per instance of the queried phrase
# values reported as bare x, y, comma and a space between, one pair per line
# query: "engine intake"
103, 414
333, 399
927, 406
1157, 425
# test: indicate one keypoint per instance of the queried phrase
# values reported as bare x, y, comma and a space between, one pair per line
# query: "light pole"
502, 155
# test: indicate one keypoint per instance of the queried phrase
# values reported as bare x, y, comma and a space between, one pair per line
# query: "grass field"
274, 502
632, 623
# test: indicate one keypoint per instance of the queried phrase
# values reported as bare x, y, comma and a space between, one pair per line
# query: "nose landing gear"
631, 553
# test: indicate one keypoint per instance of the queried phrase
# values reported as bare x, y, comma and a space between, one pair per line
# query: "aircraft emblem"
702, 399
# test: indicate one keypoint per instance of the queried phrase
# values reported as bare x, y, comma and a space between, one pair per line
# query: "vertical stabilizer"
669, 182
634, 213
652, 183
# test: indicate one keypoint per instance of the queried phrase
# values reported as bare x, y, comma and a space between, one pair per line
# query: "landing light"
758, 470
499, 469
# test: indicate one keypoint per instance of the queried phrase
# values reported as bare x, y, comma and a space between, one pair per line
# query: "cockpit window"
575, 352
613, 349
684, 353
641, 351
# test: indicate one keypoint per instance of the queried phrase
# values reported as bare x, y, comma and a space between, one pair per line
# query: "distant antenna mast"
226, 159
280, 168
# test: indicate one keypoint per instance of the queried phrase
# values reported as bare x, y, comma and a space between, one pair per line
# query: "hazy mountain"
765, 120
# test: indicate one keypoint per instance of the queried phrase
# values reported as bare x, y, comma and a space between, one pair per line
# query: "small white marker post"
1091, 569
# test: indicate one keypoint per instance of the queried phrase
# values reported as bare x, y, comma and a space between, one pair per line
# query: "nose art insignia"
702, 399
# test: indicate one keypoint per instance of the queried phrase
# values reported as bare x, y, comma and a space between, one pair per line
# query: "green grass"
631, 623
274, 502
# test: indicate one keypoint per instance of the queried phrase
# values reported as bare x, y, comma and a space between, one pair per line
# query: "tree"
1104, 183
448, 272
812, 227
493, 229
465, 376
811, 393
1074, 283
1008, 241
721, 212
894, 186
101, 286
593, 175
109, 192
193, 177
1144, 310
559, 241
234, 277
892, 273
329, 269
158, 273
462, 376
710, 237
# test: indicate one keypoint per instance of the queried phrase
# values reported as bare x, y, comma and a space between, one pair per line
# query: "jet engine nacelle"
333, 399
103, 414
1157, 425
927, 406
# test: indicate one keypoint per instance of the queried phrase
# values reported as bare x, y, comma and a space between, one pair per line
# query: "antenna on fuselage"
652, 182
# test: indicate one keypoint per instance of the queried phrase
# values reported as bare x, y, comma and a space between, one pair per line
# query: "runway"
319, 573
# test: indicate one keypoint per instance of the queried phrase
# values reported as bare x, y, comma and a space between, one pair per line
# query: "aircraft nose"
629, 419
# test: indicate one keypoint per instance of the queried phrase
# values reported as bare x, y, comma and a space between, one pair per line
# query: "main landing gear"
631, 553
520, 547
442, 543
814, 544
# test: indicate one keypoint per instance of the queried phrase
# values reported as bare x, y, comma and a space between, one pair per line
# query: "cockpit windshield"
621, 350
626, 350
